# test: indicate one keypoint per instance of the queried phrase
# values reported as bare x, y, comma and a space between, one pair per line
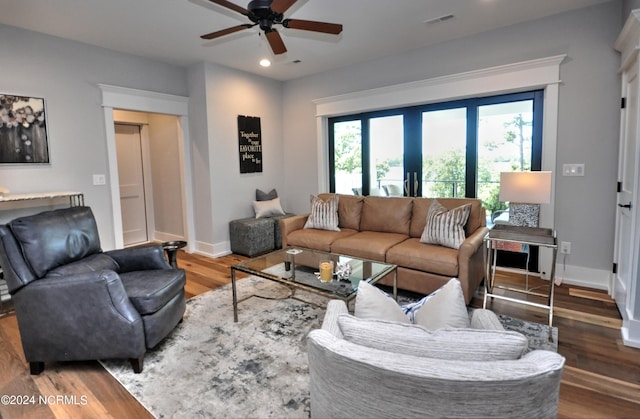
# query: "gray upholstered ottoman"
251, 236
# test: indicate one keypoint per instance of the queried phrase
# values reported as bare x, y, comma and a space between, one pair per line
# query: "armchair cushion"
151, 290
54, 238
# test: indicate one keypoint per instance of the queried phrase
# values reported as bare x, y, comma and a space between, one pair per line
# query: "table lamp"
525, 191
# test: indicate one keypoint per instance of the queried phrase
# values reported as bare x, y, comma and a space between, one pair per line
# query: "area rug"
256, 368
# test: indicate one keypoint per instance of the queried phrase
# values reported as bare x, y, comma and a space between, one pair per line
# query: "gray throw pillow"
266, 196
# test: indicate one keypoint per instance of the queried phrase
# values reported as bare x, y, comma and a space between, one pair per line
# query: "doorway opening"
149, 177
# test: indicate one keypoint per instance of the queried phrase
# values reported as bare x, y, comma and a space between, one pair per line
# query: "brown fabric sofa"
389, 229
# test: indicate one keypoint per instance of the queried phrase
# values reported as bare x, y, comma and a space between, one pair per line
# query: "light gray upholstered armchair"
356, 381
75, 302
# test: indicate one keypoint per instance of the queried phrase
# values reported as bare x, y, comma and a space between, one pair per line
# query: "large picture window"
449, 149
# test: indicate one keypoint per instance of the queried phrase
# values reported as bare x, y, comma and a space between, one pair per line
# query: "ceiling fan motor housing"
260, 12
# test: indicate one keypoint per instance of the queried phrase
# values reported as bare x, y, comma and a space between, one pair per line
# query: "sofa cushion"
317, 239
372, 303
367, 244
450, 344
424, 257
445, 227
151, 290
349, 210
268, 208
386, 214
324, 213
55, 238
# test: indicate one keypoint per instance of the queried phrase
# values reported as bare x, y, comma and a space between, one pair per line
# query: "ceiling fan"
267, 13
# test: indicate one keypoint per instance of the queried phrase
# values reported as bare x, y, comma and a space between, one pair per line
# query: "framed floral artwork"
23, 130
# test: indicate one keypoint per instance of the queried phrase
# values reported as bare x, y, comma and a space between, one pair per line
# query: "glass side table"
530, 236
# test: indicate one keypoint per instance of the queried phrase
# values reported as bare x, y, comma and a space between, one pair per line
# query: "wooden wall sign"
250, 144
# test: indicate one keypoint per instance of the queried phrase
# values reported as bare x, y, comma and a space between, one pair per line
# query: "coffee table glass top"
301, 267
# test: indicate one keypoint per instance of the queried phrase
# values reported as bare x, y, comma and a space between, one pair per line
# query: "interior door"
625, 214
132, 193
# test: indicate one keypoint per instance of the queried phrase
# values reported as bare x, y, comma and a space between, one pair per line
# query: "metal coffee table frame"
295, 268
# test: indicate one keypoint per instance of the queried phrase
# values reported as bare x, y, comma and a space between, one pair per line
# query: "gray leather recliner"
75, 302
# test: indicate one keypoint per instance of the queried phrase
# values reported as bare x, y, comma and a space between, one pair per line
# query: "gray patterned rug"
256, 368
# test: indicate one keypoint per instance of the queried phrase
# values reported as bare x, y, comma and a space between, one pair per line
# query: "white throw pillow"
373, 303
324, 214
268, 208
450, 344
445, 307
445, 227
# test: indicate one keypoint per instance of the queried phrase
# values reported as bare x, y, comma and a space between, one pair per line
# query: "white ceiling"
169, 30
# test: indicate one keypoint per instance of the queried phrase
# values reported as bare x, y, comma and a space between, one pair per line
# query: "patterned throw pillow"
445, 227
324, 214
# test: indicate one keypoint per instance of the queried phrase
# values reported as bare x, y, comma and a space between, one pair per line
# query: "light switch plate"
99, 180
573, 169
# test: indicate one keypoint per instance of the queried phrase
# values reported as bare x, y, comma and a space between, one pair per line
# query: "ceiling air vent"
439, 19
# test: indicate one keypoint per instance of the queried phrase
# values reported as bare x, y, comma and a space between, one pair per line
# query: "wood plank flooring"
601, 378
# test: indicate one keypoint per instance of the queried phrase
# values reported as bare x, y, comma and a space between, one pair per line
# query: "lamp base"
525, 215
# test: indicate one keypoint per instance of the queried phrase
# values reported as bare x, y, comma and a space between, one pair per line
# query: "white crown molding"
144, 101
494, 80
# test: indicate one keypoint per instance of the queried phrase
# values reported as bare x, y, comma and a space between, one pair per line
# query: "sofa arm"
471, 269
75, 317
140, 258
290, 224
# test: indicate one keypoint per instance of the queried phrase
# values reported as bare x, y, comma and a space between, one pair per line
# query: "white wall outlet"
573, 169
565, 248
99, 180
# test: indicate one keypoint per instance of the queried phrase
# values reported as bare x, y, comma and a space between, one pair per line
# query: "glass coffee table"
299, 268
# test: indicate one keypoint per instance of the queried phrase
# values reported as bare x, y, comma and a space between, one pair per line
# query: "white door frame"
115, 97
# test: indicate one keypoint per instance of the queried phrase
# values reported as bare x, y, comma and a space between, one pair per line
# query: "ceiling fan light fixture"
265, 62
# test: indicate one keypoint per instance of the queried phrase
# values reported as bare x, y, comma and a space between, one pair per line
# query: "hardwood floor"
601, 378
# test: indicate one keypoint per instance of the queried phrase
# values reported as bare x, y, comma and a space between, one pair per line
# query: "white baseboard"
631, 333
213, 250
584, 277
576, 275
166, 237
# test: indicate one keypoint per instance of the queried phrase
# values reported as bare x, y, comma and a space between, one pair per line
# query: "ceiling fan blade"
275, 41
217, 34
311, 25
281, 6
232, 6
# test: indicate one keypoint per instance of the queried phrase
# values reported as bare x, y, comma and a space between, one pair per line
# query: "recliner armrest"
78, 295
140, 258
91, 310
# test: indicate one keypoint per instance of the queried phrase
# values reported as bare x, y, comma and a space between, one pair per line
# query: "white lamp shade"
526, 187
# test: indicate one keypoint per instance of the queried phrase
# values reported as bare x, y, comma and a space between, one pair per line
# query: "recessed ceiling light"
265, 62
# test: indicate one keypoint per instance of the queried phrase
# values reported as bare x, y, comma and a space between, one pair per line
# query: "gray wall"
66, 74
589, 112
628, 6
221, 192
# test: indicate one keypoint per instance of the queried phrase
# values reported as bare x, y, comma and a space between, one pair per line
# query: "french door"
451, 149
